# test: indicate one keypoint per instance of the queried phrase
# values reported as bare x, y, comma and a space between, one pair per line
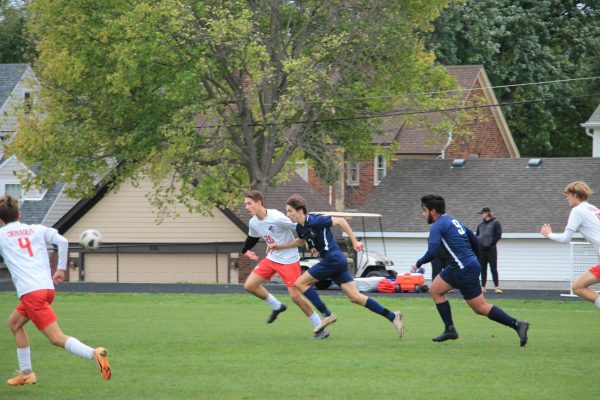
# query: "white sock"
24, 357
275, 304
74, 346
597, 302
315, 319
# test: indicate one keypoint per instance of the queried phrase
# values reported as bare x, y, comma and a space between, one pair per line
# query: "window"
28, 102
352, 173
14, 190
380, 168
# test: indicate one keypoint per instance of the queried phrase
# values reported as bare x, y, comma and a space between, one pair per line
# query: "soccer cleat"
321, 335
22, 379
101, 355
398, 323
325, 322
275, 313
484, 290
522, 328
448, 334
498, 290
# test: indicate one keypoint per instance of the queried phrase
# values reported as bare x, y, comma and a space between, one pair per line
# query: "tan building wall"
128, 217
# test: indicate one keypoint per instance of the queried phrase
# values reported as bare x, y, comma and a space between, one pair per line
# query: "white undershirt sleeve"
562, 237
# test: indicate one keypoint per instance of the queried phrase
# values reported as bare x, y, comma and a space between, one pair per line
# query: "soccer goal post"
583, 257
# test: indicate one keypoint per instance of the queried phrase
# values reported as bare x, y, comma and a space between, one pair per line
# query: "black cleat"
321, 335
522, 329
448, 334
275, 313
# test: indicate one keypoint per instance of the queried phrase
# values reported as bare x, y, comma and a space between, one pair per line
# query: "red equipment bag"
387, 286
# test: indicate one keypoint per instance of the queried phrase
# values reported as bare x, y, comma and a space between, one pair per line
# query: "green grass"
219, 347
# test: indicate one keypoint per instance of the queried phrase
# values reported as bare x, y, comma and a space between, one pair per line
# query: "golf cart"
367, 263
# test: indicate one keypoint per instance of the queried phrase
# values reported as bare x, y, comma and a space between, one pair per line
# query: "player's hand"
546, 230
358, 246
59, 276
314, 251
413, 269
273, 247
251, 255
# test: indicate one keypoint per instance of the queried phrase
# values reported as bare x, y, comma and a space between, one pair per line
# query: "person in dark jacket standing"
489, 232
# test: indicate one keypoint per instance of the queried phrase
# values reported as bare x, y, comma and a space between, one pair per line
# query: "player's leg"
254, 284
581, 286
305, 285
25, 376
355, 296
496, 314
493, 259
441, 285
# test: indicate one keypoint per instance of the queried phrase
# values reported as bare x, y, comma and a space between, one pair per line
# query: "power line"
457, 90
403, 113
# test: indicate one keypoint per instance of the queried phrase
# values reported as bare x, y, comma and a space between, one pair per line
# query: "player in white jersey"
23, 248
584, 218
274, 227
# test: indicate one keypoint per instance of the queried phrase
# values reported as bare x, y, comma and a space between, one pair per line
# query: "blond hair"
580, 189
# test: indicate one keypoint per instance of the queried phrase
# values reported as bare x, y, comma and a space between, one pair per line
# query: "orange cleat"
102, 361
22, 379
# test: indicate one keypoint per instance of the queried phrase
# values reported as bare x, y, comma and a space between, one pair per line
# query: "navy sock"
498, 315
446, 313
379, 309
311, 294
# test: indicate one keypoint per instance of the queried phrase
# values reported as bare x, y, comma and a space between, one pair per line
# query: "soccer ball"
90, 239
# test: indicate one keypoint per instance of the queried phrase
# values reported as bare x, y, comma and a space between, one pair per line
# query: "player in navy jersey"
315, 231
462, 271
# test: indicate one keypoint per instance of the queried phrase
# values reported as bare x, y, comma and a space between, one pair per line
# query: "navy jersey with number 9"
460, 242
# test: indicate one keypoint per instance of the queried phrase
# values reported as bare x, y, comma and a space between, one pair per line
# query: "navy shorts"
466, 280
333, 265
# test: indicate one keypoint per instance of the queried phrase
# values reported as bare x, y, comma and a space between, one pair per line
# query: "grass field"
219, 347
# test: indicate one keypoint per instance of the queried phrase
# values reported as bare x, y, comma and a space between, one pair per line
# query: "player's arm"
289, 245
497, 232
358, 246
52, 236
249, 244
473, 241
564, 237
433, 246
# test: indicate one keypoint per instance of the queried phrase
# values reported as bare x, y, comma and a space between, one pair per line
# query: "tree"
216, 95
528, 41
14, 46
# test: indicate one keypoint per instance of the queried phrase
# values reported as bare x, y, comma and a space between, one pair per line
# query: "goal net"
583, 257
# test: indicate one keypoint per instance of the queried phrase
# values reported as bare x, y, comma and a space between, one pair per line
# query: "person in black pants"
489, 232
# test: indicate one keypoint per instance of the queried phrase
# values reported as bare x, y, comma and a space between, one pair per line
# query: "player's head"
432, 202
578, 189
295, 208
253, 201
9, 209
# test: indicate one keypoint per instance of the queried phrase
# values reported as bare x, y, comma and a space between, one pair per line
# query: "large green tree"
217, 95
14, 45
523, 41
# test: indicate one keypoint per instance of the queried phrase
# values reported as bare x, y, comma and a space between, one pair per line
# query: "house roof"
10, 74
521, 197
594, 120
416, 138
35, 211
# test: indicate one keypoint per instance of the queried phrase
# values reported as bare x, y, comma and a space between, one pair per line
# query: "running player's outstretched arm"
288, 245
52, 236
433, 247
358, 246
564, 237
250, 243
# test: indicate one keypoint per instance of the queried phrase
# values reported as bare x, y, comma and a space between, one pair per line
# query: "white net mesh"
583, 257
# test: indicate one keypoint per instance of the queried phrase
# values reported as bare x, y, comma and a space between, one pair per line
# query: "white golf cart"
367, 264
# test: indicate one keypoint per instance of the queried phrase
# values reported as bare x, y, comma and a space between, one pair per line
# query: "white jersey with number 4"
24, 250
585, 218
275, 228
